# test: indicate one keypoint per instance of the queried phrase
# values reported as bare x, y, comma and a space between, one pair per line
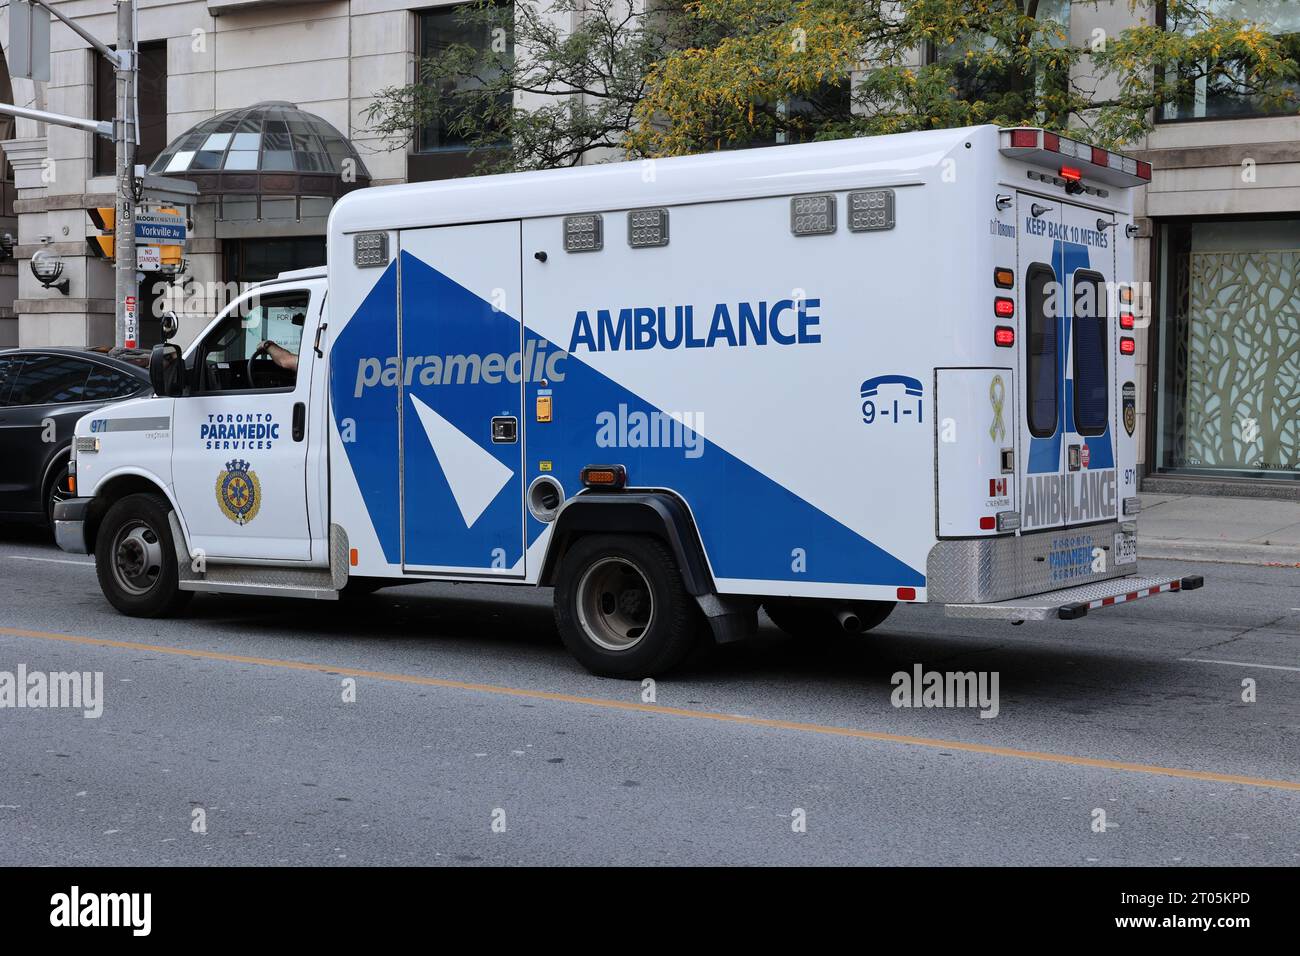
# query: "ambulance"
822, 380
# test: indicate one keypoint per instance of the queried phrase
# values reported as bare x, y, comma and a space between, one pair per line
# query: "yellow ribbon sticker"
997, 397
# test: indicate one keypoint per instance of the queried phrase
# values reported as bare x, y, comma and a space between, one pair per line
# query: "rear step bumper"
1071, 603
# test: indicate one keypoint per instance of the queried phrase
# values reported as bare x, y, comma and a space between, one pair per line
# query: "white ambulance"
822, 379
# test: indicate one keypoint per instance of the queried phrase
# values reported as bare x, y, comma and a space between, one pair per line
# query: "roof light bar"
1043, 148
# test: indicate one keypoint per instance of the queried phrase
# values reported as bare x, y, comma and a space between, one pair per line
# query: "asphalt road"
475, 739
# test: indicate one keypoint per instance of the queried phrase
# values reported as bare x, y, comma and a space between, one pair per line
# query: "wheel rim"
59, 491
137, 557
615, 606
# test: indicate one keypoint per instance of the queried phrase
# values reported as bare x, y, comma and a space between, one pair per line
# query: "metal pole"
77, 29
102, 128
128, 288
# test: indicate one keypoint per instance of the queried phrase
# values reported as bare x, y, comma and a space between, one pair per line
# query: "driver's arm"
280, 356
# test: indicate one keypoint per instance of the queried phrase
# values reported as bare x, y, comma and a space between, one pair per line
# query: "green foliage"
696, 75
921, 64
557, 79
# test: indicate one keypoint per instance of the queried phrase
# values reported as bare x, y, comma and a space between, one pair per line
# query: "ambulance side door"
239, 437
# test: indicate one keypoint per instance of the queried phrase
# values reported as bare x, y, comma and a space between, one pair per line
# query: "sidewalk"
1231, 530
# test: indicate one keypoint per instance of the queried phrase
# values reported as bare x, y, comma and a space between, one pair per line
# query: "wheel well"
658, 514
51, 467
113, 491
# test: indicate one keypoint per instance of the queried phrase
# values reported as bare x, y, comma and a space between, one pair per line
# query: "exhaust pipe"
850, 621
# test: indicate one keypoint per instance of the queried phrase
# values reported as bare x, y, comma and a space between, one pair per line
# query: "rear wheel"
135, 558
622, 609
820, 620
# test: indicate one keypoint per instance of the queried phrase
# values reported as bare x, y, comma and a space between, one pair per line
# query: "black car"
43, 391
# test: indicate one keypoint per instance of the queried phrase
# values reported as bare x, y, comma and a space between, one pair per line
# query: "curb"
1219, 552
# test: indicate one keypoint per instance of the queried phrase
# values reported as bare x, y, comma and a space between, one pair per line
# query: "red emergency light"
1045, 148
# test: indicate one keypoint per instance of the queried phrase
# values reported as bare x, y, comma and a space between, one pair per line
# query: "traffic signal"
102, 218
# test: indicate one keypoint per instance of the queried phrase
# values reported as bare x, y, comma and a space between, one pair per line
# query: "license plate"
1126, 548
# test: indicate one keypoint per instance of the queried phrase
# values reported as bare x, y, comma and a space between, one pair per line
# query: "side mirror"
170, 325
166, 370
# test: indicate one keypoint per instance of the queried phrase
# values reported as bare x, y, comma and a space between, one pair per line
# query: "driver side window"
256, 346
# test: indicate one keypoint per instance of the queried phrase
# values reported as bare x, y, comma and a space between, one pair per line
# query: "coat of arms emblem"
239, 493
1128, 396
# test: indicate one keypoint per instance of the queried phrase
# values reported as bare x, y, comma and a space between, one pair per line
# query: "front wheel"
622, 609
135, 558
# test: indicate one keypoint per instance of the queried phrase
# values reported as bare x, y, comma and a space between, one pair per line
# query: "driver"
280, 356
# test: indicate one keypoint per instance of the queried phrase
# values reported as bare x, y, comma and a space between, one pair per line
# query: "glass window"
1229, 336
440, 30
1091, 387
277, 319
1000, 81
8, 372
152, 105
254, 260
50, 380
106, 384
1042, 346
1225, 93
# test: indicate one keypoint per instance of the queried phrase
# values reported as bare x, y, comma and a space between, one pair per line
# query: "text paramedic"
238, 432
535, 363
786, 322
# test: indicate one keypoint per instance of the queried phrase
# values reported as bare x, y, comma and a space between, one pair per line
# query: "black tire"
57, 489
812, 620
625, 589
135, 558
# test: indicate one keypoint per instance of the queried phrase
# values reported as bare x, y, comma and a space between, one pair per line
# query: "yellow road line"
875, 735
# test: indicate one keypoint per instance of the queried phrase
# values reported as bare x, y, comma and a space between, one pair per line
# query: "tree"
922, 64
554, 80
687, 76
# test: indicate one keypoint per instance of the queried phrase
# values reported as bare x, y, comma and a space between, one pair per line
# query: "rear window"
50, 380
106, 384
1090, 379
1042, 346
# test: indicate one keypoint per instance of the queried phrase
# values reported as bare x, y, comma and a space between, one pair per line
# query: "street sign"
148, 258
29, 41
160, 227
128, 315
162, 258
